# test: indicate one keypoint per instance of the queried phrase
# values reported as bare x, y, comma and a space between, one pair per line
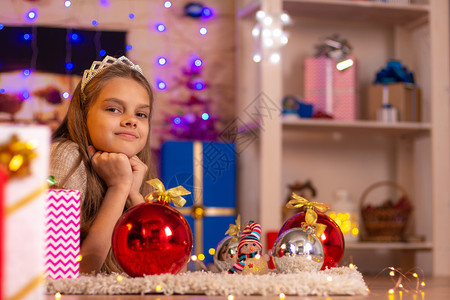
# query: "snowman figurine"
249, 258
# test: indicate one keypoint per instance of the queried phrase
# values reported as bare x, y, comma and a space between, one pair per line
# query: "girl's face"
118, 119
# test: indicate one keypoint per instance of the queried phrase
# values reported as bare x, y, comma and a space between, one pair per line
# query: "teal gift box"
208, 171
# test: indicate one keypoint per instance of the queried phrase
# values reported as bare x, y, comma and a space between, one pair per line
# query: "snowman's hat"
251, 235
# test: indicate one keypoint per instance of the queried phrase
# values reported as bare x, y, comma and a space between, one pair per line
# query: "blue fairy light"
160, 27
1, 26
207, 12
198, 62
67, 3
161, 85
69, 66
31, 15
94, 22
27, 36
102, 52
104, 3
25, 94
74, 37
199, 86
177, 120
128, 47
65, 95
205, 116
26, 72
167, 4
2, 91
162, 61
131, 16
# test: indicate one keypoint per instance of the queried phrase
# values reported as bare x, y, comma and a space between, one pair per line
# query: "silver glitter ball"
226, 253
298, 250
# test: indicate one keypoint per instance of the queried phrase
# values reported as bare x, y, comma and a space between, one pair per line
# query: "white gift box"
23, 220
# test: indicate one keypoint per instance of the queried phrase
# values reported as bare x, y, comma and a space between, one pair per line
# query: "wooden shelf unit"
397, 128
420, 161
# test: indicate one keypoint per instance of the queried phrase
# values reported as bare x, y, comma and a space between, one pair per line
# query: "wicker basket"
385, 223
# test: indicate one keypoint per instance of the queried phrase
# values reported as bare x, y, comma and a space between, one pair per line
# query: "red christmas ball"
332, 239
152, 238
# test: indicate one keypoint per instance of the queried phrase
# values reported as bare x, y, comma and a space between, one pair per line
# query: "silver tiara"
98, 66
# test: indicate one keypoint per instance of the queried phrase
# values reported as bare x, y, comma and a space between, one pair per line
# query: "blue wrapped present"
394, 72
208, 171
293, 105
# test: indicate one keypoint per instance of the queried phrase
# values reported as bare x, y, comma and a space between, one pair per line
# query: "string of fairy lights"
194, 10
409, 283
268, 34
264, 33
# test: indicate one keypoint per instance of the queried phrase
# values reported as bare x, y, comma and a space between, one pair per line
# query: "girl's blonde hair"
74, 128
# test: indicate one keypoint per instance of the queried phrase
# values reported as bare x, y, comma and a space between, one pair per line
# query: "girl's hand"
139, 170
113, 168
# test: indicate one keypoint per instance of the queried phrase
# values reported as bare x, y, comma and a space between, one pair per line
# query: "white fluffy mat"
335, 281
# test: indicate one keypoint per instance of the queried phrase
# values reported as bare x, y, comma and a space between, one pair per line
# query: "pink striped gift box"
62, 243
330, 90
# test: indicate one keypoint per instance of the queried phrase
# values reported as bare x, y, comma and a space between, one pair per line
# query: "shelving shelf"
355, 11
424, 246
398, 128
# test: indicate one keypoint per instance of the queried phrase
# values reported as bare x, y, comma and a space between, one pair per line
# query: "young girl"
102, 149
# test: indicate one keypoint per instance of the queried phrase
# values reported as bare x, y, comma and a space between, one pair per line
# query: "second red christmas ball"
332, 239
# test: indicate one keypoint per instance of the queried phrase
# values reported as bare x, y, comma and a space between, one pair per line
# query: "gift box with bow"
24, 161
330, 91
208, 171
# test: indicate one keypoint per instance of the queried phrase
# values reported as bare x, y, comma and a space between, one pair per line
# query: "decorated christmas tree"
191, 117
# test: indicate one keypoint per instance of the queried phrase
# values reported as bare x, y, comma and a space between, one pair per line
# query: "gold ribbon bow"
234, 229
163, 196
318, 228
311, 215
16, 157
